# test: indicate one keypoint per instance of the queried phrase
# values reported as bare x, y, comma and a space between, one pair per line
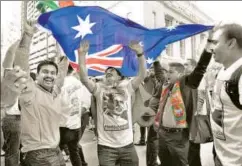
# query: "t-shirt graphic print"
114, 114
115, 110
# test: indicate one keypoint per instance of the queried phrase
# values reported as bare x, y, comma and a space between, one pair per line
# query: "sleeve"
29, 92
86, 100
130, 87
200, 101
8, 96
97, 89
240, 90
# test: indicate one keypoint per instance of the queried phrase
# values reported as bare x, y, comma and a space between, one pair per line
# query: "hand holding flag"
136, 47
84, 47
30, 28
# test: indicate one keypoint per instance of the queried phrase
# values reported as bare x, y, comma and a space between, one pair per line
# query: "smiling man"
40, 106
227, 95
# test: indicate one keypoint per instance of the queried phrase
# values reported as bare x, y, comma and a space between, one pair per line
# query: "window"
154, 19
193, 44
183, 48
168, 22
202, 37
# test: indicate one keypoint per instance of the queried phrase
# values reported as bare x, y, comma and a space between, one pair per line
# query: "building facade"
152, 14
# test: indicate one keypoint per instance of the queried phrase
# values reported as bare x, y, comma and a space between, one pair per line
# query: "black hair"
178, 66
70, 69
119, 73
46, 62
233, 31
33, 75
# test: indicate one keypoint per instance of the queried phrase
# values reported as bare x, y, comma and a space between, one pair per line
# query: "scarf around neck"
172, 93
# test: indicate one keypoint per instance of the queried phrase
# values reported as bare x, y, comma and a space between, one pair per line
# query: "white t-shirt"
114, 115
14, 110
74, 96
226, 120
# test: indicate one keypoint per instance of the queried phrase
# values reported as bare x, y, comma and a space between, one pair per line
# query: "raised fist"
15, 79
30, 28
136, 47
84, 47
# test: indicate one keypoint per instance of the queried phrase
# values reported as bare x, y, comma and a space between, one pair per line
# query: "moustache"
48, 78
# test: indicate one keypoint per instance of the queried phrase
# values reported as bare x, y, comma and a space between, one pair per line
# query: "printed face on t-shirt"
115, 109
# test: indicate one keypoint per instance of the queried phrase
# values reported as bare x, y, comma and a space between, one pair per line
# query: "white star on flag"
141, 44
170, 28
150, 60
84, 27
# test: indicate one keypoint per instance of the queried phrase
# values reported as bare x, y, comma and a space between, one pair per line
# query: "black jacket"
188, 85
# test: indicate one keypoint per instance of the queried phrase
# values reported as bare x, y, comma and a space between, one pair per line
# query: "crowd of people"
47, 112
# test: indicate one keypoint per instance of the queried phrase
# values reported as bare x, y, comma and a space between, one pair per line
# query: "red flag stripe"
110, 52
97, 68
74, 65
91, 61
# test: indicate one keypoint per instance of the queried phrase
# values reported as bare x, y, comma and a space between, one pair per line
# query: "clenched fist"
30, 28
13, 83
15, 79
84, 47
136, 47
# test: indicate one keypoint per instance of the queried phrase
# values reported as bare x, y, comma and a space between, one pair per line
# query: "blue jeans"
44, 157
125, 156
11, 133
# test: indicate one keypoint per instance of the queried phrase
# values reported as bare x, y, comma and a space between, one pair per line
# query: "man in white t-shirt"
113, 114
76, 101
226, 118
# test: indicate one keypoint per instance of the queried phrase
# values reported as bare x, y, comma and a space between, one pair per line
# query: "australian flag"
109, 36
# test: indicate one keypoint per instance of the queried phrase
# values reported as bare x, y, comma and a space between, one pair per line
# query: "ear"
232, 43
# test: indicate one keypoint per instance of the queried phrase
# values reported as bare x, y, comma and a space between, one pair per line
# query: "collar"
46, 91
225, 74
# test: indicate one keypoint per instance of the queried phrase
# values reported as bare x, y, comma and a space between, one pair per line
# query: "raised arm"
62, 71
10, 55
193, 80
138, 49
83, 50
22, 52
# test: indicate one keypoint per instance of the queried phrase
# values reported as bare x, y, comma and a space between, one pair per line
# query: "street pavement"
90, 150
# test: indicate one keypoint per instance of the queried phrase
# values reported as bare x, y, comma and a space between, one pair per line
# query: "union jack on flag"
100, 61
